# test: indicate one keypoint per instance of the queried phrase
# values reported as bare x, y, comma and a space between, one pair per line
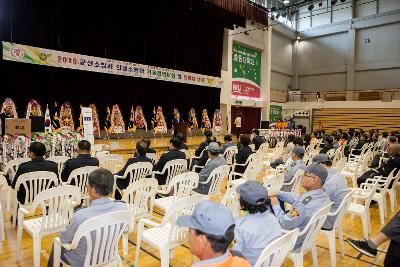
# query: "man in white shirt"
238, 124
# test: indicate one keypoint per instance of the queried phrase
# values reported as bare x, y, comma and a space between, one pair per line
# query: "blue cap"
252, 192
321, 158
299, 151
317, 170
213, 147
208, 217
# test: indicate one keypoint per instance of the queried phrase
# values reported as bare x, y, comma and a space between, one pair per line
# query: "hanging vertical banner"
88, 125
275, 113
246, 71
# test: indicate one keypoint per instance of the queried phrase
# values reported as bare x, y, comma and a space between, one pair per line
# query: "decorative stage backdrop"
167, 34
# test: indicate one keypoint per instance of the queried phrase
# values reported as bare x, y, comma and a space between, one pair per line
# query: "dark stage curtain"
159, 33
251, 118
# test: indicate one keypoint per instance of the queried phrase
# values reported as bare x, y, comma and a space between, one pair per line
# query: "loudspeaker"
37, 123
264, 124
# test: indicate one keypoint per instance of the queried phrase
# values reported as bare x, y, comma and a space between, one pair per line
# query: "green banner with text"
246, 73
275, 113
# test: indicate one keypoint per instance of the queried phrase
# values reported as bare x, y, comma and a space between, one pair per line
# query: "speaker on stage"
37, 123
264, 124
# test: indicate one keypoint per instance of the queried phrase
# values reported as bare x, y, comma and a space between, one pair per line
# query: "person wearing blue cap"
297, 157
259, 227
335, 186
215, 161
305, 206
211, 232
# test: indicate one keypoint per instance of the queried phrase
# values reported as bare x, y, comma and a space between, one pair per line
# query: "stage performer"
193, 124
117, 122
95, 119
205, 121
217, 122
33, 109
8, 109
140, 121
107, 123
55, 123
66, 119
132, 125
159, 121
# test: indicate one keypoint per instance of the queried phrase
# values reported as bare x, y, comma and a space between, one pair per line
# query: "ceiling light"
286, 2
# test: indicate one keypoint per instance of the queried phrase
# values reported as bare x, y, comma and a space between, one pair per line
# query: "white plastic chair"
100, 251
293, 184
139, 197
380, 193
135, 172
330, 234
111, 162
11, 169
4, 192
215, 180
340, 164
331, 153
60, 160
196, 158
166, 235
274, 183
56, 205
392, 191
80, 179
33, 183
231, 199
181, 185
248, 174
229, 154
171, 169
365, 194
310, 232
152, 157
275, 253
2, 233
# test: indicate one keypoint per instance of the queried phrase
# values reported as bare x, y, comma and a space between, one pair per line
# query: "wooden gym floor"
149, 257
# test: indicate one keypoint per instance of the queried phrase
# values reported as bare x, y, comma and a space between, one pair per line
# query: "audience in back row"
37, 151
173, 153
141, 150
243, 153
228, 143
257, 139
82, 160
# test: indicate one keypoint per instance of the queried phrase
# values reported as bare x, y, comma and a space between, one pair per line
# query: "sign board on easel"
87, 125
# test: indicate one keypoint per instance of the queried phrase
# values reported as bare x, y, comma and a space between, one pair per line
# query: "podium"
181, 127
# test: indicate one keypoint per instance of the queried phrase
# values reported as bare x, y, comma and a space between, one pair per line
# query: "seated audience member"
259, 227
344, 138
211, 232
307, 140
228, 143
287, 150
363, 140
215, 161
335, 186
183, 145
314, 137
82, 160
377, 158
100, 185
298, 141
305, 206
391, 231
257, 139
173, 153
37, 151
298, 163
386, 168
141, 150
336, 140
243, 153
204, 157
149, 149
328, 145
202, 146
